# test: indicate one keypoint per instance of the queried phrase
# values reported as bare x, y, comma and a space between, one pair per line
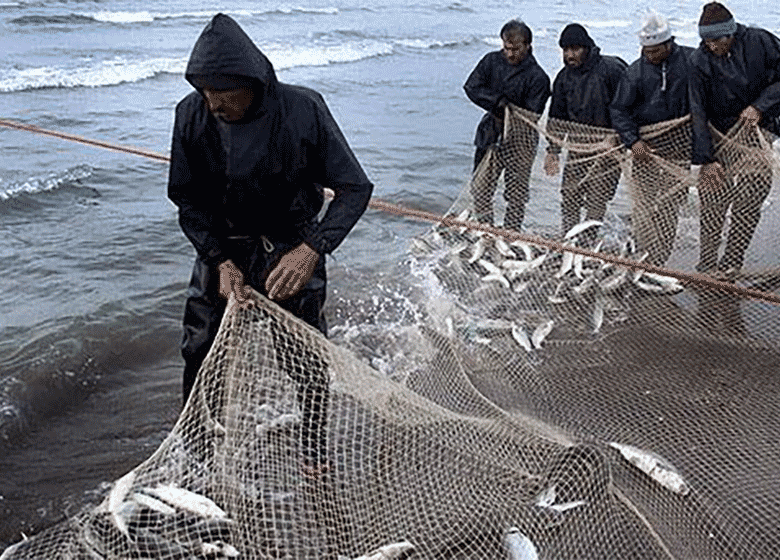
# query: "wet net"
572, 390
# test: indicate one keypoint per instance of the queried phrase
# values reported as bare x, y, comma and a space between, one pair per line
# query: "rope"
686, 278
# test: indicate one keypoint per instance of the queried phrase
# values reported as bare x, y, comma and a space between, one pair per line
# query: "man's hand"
712, 176
231, 281
292, 272
750, 115
551, 164
641, 151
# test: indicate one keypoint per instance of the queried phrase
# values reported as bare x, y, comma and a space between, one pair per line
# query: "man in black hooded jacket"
735, 77
654, 89
511, 75
582, 92
250, 159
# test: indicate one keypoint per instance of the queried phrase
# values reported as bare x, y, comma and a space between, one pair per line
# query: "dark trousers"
203, 313
515, 157
589, 183
745, 194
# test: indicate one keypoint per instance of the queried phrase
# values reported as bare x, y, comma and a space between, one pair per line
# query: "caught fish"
519, 546
219, 549
579, 228
585, 285
186, 500
479, 250
579, 261
598, 313
541, 332
395, 551
615, 281
504, 248
497, 278
520, 336
153, 503
117, 497
547, 500
566, 264
525, 248
655, 466
489, 266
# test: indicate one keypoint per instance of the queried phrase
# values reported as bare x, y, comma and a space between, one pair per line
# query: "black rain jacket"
722, 87
650, 93
583, 94
267, 177
494, 82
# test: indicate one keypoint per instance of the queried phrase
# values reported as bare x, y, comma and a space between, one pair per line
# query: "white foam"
427, 43
49, 183
144, 16
607, 23
283, 57
105, 73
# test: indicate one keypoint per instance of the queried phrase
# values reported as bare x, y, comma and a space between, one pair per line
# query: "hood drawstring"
663, 76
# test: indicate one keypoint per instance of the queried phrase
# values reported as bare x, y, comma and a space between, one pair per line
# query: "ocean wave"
146, 16
424, 44
50, 182
68, 19
103, 73
285, 58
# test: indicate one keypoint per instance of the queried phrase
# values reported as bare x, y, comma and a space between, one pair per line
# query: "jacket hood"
224, 52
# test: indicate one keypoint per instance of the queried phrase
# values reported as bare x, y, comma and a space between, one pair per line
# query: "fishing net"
562, 393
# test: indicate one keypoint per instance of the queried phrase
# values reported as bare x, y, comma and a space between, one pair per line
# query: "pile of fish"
162, 521
475, 264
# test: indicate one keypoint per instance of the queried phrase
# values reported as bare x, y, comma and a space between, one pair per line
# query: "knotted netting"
568, 393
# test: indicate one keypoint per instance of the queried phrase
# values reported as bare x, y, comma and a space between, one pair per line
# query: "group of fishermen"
733, 75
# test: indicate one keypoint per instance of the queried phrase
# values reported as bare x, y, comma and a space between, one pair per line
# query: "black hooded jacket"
264, 175
722, 87
494, 80
583, 94
650, 93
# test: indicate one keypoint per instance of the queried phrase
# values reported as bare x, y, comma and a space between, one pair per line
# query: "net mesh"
580, 391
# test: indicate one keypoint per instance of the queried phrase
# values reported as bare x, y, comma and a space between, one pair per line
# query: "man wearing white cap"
654, 89
735, 77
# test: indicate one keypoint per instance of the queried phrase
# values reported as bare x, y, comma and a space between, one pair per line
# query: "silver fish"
186, 500
520, 336
490, 267
504, 248
519, 546
117, 497
547, 500
566, 264
220, 549
541, 332
525, 248
479, 250
497, 278
395, 551
598, 313
655, 466
615, 281
153, 503
582, 226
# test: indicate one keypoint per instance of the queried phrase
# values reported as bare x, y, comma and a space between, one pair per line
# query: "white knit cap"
655, 30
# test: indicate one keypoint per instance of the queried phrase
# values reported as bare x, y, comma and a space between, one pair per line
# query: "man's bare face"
719, 46
574, 55
515, 49
229, 104
656, 54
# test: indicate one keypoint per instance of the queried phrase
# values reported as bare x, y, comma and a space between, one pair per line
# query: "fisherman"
654, 89
582, 92
510, 75
249, 161
735, 79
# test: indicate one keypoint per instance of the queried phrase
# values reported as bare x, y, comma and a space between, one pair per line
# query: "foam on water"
50, 182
